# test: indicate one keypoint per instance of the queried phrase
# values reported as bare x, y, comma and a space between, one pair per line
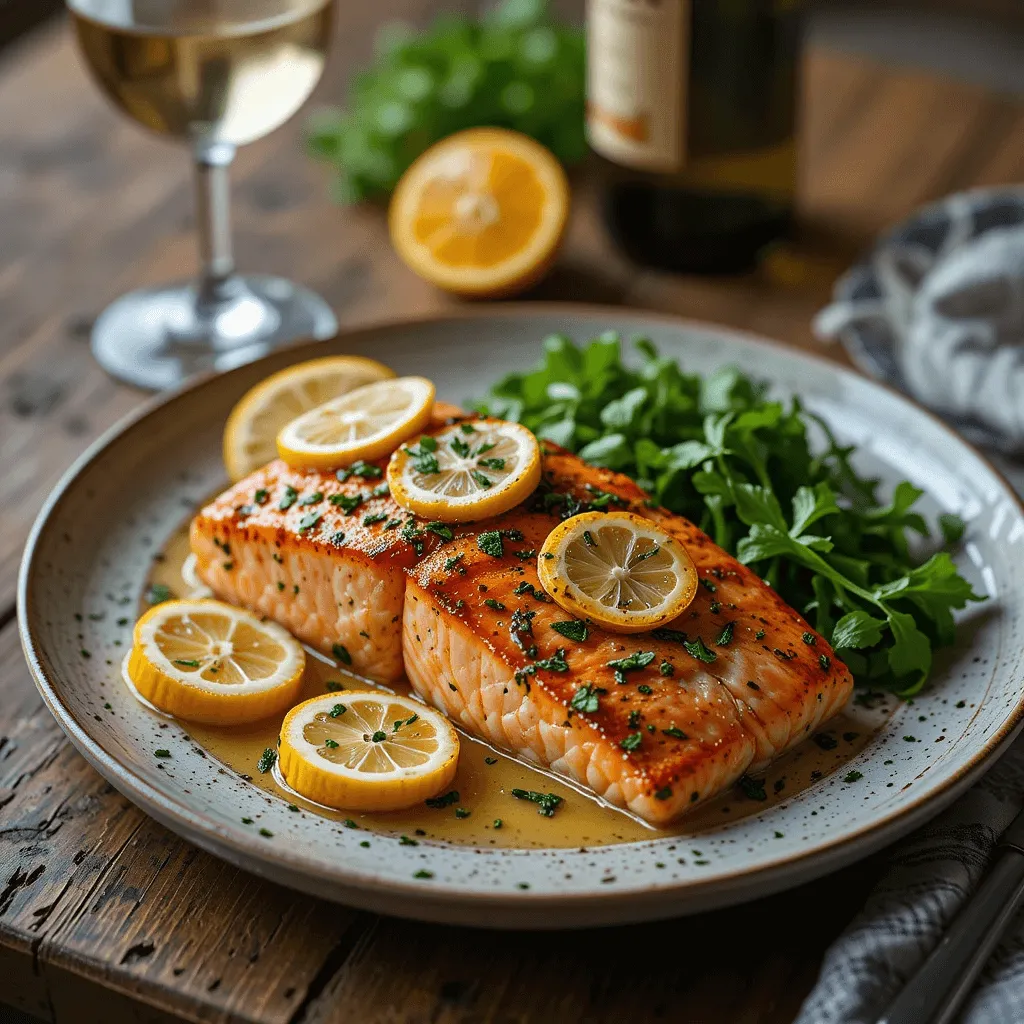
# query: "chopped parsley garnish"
493, 463
350, 823
759, 635
490, 543
666, 668
375, 517
697, 649
289, 498
649, 553
467, 428
675, 732
442, 530
407, 841
312, 499
664, 793
490, 760
634, 718
453, 563
186, 662
337, 711
330, 744
461, 812
348, 503
523, 555
725, 637
411, 533
809, 638
498, 823
440, 802
572, 629
752, 789
547, 803
496, 605
423, 872
266, 761
261, 496
673, 636
330, 686
158, 593
825, 662
340, 651
481, 479
586, 699
644, 689
632, 741
360, 468
853, 776
459, 447
266, 833
162, 752
423, 458
379, 736
632, 663
588, 539
309, 520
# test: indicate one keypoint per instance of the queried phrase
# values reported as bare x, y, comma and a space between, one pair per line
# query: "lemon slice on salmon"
367, 423
368, 751
618, 570
481, 213
251, 433
469, 471
206, 661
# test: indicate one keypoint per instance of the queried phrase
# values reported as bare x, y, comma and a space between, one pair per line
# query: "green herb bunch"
769, 482
514, 68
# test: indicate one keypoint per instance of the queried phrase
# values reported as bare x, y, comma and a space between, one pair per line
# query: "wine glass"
216, 74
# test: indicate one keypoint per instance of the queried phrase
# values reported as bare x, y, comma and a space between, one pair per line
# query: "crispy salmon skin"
654, 723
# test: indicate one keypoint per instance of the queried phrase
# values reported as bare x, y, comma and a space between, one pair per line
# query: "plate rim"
512, 908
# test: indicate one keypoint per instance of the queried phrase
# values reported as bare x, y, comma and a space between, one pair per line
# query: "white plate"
93, 542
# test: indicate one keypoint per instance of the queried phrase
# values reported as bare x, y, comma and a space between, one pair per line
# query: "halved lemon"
206, 661
617, 569
366, 423
469, 471
481, 213
366, 750
251, 433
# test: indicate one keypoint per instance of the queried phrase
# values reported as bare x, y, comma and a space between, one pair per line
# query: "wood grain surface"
107, 917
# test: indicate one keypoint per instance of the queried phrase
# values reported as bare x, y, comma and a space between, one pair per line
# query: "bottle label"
637, 74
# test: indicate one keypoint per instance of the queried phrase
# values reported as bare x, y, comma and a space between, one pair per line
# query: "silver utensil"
935, 993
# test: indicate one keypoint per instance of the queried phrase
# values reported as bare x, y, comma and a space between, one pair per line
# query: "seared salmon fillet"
325, 558
637, 719
642, 720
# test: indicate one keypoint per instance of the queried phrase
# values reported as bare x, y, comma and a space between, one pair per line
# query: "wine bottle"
691, 112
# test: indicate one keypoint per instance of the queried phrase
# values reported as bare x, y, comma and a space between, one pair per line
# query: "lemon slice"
252, 428
364, 424
481, 213
206, 661
469, 471
617, 569
366, 750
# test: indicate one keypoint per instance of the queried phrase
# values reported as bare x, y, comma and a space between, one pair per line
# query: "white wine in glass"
216, 74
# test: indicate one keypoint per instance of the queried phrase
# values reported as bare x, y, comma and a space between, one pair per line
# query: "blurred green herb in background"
514, 68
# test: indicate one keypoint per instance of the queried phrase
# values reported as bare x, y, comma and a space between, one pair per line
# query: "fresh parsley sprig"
769, 482
514, 68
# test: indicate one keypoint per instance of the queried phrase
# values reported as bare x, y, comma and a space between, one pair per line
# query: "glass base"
157, 338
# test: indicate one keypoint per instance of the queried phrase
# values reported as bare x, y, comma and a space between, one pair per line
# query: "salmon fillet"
638, 719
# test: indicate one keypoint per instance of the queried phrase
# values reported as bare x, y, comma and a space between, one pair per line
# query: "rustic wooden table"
104, 915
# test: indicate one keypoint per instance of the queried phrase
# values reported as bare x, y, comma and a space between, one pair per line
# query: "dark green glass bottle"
691, 112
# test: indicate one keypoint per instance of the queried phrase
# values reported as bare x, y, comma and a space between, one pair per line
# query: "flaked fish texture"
655, 723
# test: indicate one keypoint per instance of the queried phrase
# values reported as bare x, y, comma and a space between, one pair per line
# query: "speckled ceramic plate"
92, 545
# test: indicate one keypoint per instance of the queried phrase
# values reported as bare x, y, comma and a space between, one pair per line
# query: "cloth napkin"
929, 877
937, 309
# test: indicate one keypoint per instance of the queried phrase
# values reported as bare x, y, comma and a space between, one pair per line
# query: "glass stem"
213, 219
